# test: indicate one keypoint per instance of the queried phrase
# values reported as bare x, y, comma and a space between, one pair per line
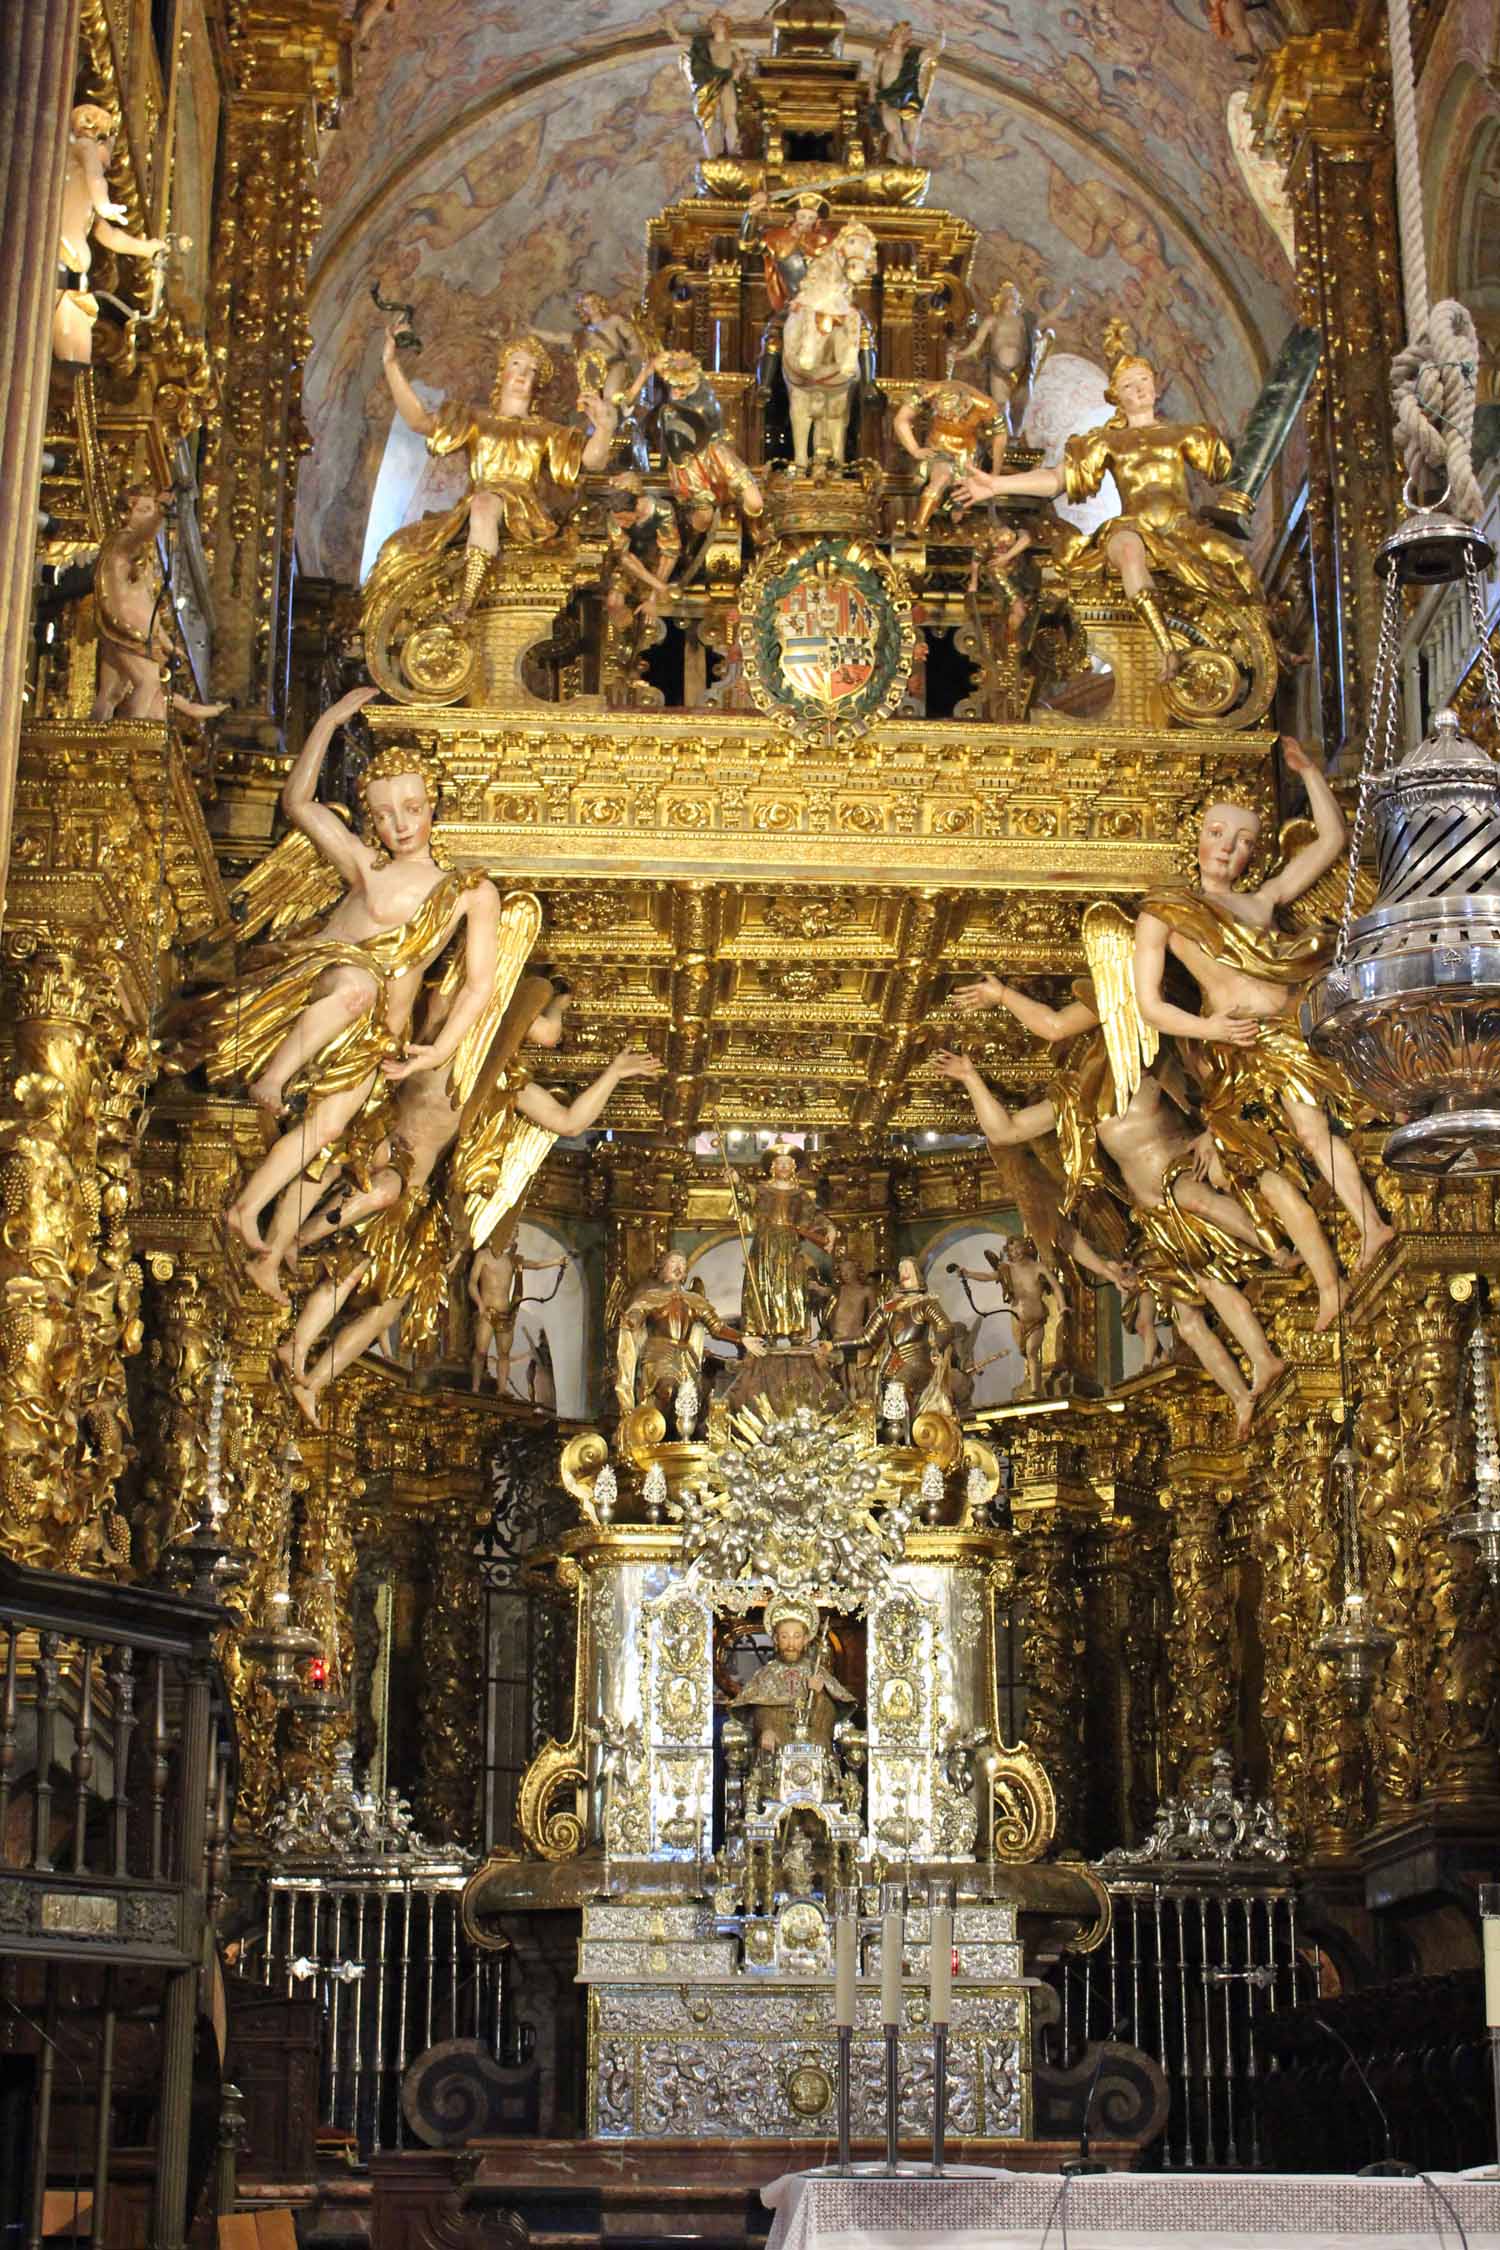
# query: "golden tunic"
776, 1289
1244, 1090
508, 456
1150, 468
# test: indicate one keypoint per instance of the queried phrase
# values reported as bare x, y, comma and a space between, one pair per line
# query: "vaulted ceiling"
497, 155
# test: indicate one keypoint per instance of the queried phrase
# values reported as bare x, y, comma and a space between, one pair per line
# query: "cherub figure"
903, 80
703, 469
612, 350
497, 1291
959, 420
715, 70
1011, 345
1158, 529
1263, 1089
89, 215
1026, 1283
325, 1016
135, 617
850, 1302
510, 450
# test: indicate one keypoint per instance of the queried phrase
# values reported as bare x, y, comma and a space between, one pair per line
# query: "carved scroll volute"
1025, 1810
551, 1828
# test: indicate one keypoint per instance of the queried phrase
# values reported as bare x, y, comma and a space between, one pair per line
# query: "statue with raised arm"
1158, 532
663, 1336
785, 1226
715, 70
1011, 345
849, 1301
518, 461
1267, 1098
497, 1291
910, 1338
959, 421
789, 235
447, 1162
704, 473
903, 80
828, 346
1026, 1283
320, 1017
89, 215
137, 624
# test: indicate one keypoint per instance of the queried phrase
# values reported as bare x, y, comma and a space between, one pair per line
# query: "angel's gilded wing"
1322, 906
293, 884
489, 1045
497, 1159
1109, 943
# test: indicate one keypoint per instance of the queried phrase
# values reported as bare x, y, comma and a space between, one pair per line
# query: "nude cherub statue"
1011, 345
850, 1302
1262, 1087
135, 618
903, 80
1026, 1282
497, 1291
959, 419
89, 215
715, 69
612, 350
510, 448
325, 1018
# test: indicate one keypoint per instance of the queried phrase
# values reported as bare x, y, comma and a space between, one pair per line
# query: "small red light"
317, 1672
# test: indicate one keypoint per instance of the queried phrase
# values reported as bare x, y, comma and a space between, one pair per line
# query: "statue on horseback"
828, 346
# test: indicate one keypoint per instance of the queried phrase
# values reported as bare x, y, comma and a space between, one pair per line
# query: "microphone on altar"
1084, 2165
1389, 2166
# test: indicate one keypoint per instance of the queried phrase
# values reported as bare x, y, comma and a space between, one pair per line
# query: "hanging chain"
1481, 633
1380, 747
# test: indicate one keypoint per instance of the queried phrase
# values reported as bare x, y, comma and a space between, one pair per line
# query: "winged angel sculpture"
413, 1147
1207, 1213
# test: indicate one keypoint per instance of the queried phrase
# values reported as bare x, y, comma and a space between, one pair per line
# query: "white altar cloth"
995, 2210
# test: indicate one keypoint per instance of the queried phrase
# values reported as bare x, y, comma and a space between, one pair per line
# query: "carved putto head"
1132, 380
1228, 841
90, 121
681, 372
1007, 298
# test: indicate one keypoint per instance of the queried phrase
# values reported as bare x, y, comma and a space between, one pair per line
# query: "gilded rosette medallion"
827, 639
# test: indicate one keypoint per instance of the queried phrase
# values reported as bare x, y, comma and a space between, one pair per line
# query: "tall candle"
890, 1965
941, 2005
845, 1947
1491, 1929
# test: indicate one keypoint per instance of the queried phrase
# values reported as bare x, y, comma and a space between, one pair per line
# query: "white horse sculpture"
823, 344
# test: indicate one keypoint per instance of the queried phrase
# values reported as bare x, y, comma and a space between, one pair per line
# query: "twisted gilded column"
285, 60
38, 59
453, 1669
1200, 1701
1321, 105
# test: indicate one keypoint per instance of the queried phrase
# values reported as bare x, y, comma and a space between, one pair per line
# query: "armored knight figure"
912, 1338
664, 1331
786, 1695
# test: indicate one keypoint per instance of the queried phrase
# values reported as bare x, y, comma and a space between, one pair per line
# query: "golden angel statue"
441, 1166
514, 455
1124, 1126
322, 1014
1158, 531
1264, 1092
663, 1336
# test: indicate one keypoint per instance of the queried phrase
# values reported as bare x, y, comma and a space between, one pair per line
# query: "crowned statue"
793, 1693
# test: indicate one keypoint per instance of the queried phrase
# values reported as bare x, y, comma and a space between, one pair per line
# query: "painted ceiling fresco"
497, 155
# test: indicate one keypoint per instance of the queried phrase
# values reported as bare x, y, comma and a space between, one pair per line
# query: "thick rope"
1433, 383
1433, 380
